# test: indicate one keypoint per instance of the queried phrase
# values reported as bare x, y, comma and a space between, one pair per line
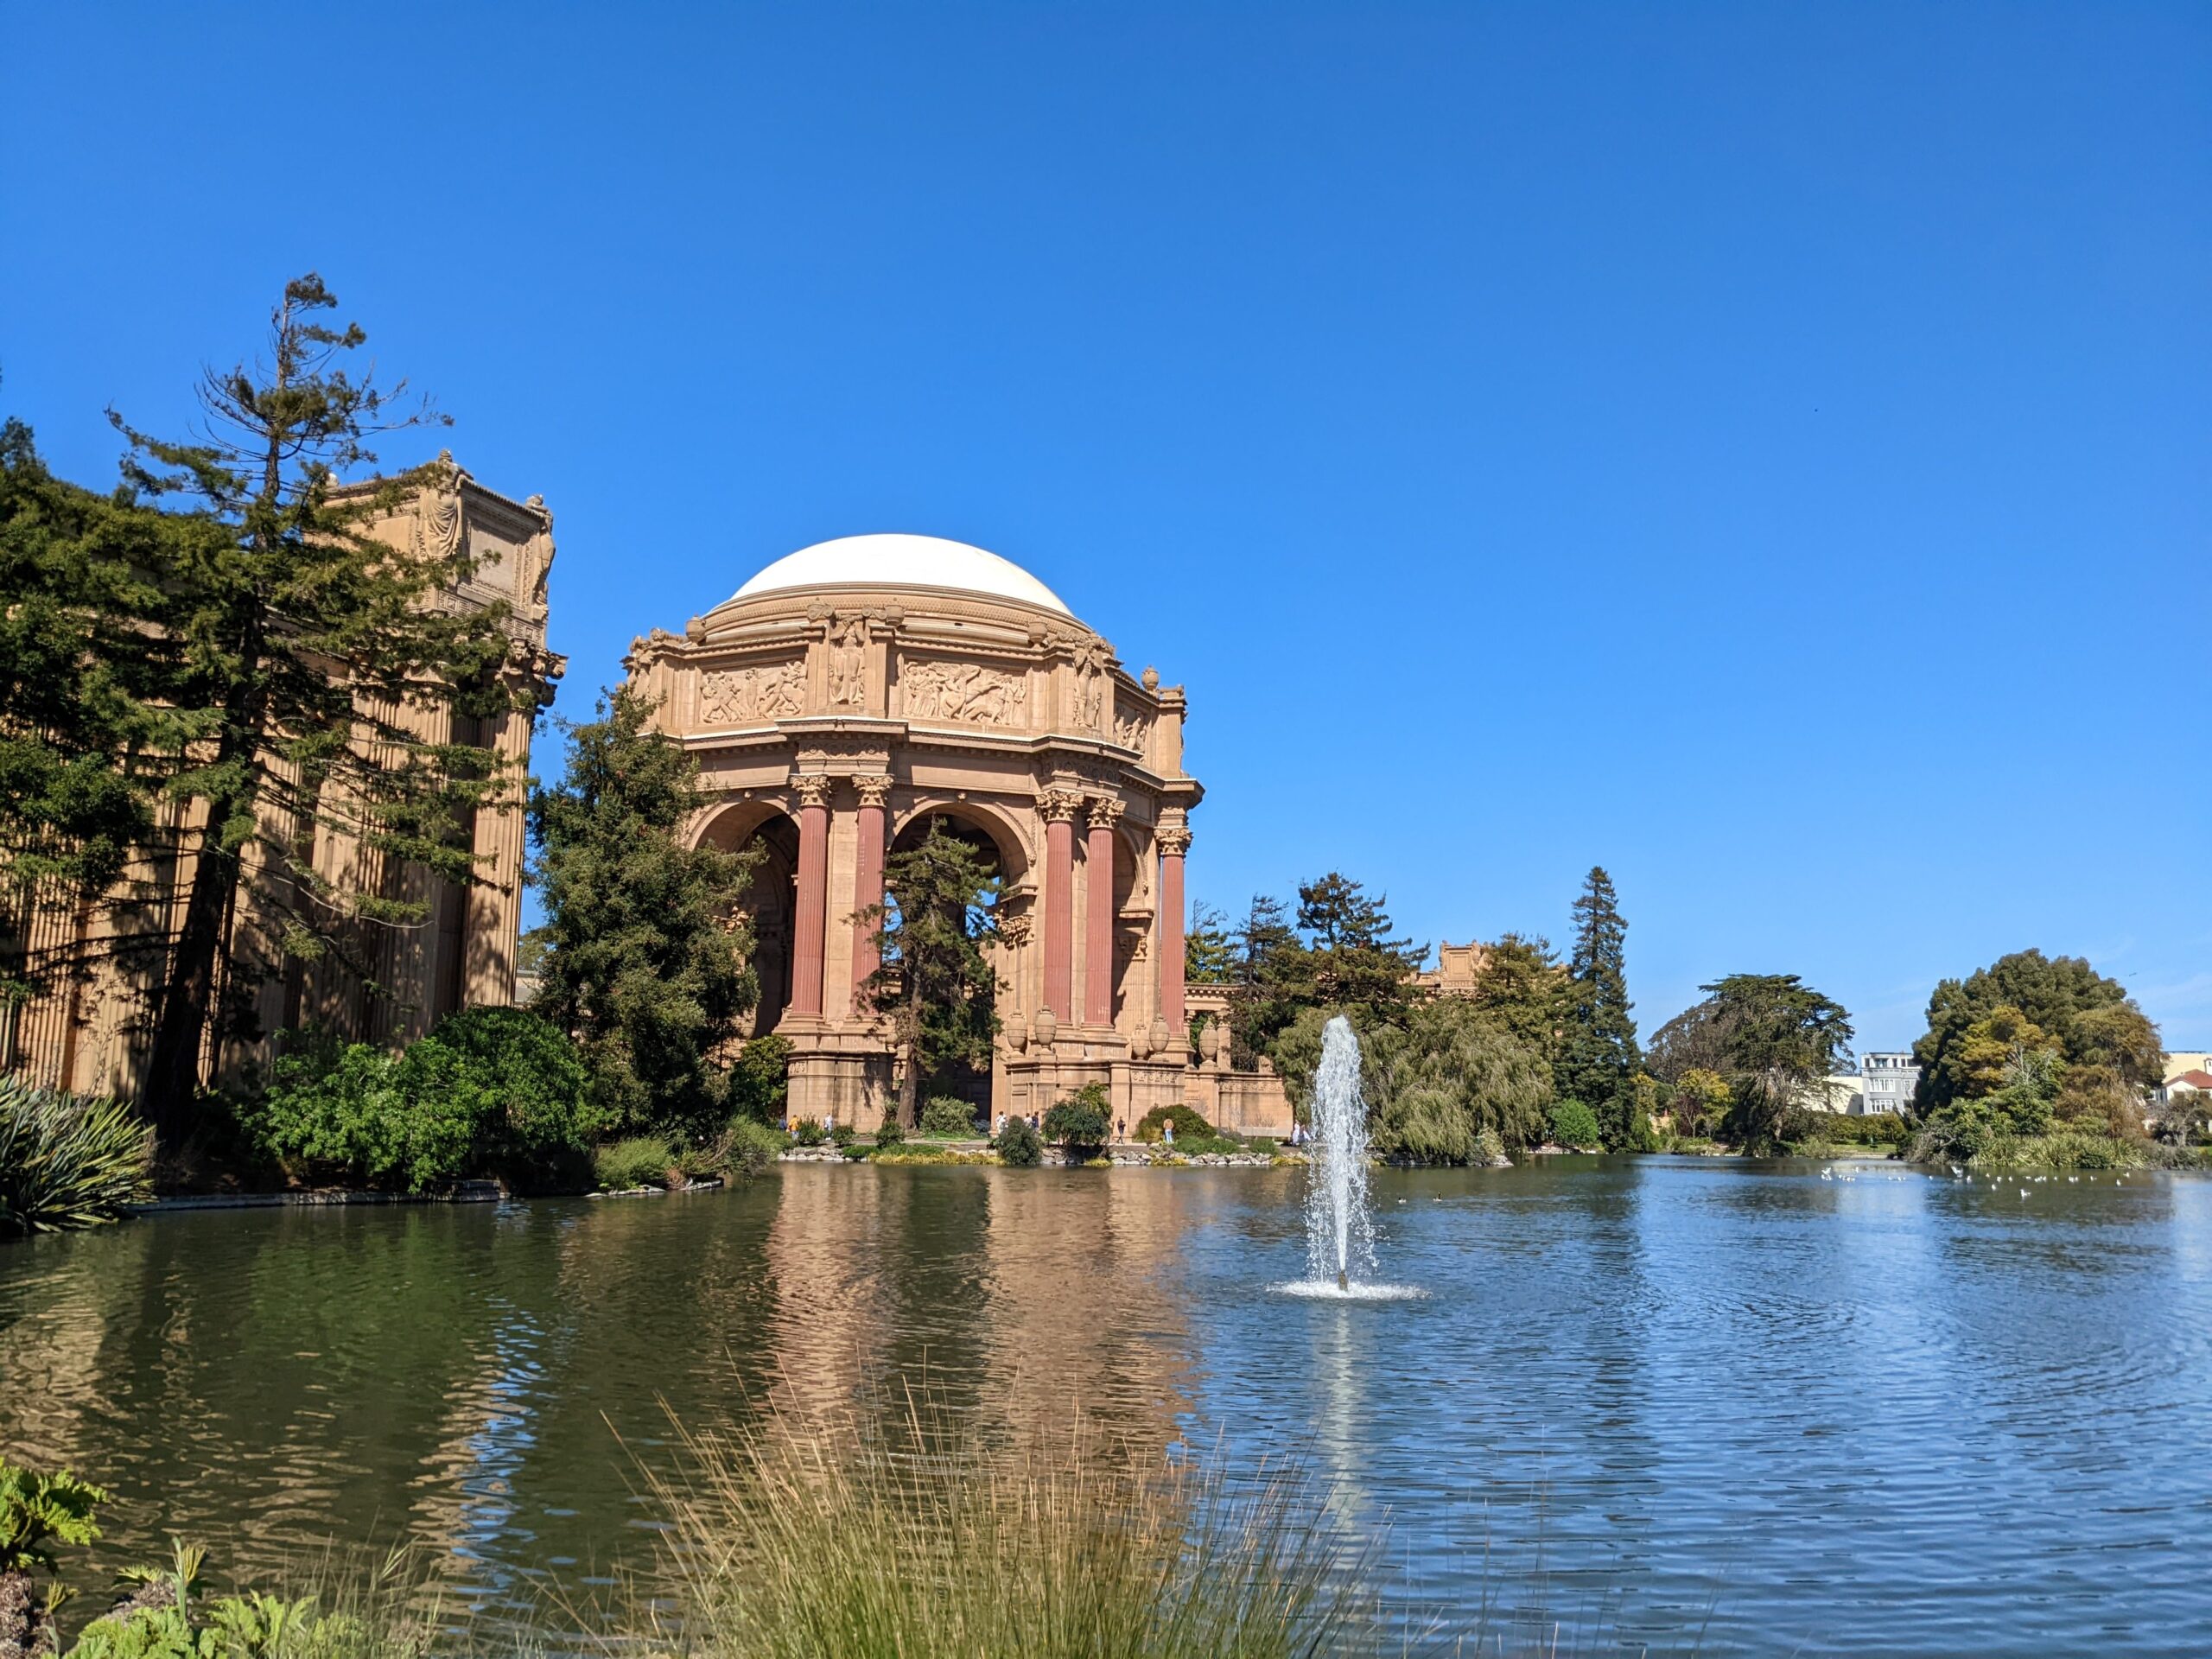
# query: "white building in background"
1886, 1083
1838, 1094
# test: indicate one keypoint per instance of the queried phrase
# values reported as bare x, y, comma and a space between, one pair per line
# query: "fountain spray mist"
1340, 1236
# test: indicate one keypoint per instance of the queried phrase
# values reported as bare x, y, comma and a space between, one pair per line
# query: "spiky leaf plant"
68, 1160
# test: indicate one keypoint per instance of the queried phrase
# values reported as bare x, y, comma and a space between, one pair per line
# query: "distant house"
2180, 1061
1839, 1094
2194, 1081
1887, 1081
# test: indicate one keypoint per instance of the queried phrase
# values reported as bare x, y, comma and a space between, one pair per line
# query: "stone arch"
770, 899
1006, 835
1131, 881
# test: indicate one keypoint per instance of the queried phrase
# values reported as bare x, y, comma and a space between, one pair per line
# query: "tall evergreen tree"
1523, 988
935, 983
1598, 1055
307, 654
1770, 1035
1269, 979
1354, 960
645, 946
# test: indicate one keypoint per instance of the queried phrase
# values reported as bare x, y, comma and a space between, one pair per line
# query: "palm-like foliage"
68, 1160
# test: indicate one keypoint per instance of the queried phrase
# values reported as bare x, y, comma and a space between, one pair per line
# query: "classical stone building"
854, 691
91, 1030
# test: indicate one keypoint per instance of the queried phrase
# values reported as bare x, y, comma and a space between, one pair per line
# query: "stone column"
810, 927
1098, 948
1174, 841
868, 886
1059, 808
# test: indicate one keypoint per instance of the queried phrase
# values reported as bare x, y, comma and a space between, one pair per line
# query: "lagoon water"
1667, 1404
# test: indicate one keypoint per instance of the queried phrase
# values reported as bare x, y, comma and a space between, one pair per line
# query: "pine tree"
935, 983
310, 657
646, 947
1270, 981
1355, 961
1598, 1057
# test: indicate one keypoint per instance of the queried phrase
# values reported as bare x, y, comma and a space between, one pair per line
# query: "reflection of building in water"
854, 693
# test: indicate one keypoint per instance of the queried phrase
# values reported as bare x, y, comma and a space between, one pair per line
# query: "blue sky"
1764, 449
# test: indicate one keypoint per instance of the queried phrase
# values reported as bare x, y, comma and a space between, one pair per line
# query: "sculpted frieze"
964, 692
739, 696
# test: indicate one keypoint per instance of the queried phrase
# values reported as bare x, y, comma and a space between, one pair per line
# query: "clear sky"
1766, 449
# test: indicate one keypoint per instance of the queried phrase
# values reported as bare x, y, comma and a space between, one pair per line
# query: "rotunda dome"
893, 560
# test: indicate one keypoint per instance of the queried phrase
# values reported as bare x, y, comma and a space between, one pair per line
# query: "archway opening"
770, 903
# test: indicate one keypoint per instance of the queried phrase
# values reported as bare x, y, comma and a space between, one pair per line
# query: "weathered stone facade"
854, 691
92, 1031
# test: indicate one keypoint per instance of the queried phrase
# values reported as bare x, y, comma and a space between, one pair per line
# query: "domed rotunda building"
852, 692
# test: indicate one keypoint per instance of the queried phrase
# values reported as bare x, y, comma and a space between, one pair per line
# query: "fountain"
1339, 1233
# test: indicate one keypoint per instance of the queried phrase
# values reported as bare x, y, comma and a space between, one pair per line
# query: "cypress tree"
1599, 1057
935, 983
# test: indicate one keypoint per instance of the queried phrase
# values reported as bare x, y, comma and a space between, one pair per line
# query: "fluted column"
1059, 809
1098, 947
868, 886
810, 926
1174, 841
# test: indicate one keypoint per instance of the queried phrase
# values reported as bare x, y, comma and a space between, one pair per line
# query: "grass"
830, 1541
2071, 1149
68, 1160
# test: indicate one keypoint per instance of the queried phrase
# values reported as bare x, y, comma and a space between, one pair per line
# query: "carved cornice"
812, 788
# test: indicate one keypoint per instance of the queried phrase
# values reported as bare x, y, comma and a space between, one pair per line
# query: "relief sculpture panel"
738, 696
963, 691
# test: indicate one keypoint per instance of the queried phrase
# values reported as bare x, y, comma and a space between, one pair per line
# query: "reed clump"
823, 1543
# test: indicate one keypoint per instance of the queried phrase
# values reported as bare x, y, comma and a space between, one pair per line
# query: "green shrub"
67, 1160
489, 1091
1266, 1143
1188, 1124
945, 1115
809, 1132
1018, 1144
1079, 1124
638, 1160
1574, 1124
760, 1080
749, 1147
1490, 1147
38, 1511
888, 1133
843, 1136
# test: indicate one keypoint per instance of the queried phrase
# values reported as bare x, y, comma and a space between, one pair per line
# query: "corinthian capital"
875, 791
1059, 805
1105, 811
1174, 839
813, 788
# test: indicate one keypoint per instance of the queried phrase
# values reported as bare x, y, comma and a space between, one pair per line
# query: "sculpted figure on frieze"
738, 696
963, 691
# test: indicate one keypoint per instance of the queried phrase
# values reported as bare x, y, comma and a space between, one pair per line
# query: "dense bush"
945, 1115
809, 1132
1080, 1124
1189, 1126
67, 1160
1018, 1144
1865, 1129
1574, 1124
889, 1132
843, 1136
634, 1161
760, 1080
490, 1091
749, 1147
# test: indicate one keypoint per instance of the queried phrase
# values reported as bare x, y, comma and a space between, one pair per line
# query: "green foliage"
1698, 1099
748, 1147
936, 981
760, 1079
888, 1133
1264, 1143
1189, 1125
1352, 962
1769, 1036
68, 1160
1269, 981
633, 1161
946, 1116
1490, 1147
1019, 1146
809, 1132
1574, 1124
489, 1091
1523, 988
1081, 1123
1597, 1054
843, 1136
38, 1511
1209, 951
1434, 1081
646, 961
172, 1618
2088, 1019
1865, 1129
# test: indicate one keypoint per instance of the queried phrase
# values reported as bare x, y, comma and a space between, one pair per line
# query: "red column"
868, 884
1098, 947
1174, 841
811, 926
1059, 809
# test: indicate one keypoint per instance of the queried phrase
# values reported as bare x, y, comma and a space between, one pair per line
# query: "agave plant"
68, 1160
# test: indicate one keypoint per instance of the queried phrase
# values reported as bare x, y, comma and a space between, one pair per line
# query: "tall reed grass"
826, 1542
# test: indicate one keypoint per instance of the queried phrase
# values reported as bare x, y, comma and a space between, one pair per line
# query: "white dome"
903, 562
